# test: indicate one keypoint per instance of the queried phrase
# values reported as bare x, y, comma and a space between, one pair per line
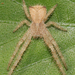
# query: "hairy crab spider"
38, 29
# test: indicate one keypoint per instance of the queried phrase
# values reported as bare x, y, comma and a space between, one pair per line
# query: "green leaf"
37, 60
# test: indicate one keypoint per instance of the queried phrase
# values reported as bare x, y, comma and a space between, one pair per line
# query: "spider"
38, 16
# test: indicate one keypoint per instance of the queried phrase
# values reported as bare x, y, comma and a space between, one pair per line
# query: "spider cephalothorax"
37, 29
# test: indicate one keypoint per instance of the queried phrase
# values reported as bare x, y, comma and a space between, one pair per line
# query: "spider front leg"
25, 45
21, 24
50, 12
17, 47
48, 42
25, 10
56, 47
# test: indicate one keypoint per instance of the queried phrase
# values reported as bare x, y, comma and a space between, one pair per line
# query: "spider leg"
25, 10
55, 25
25, 45
47, 41
57, 48
21, 24
17, 47
50, 12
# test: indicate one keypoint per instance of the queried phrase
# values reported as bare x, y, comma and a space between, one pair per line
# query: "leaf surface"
37, 60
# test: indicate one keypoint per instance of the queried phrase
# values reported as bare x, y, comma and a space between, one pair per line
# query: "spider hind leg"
25, 10
49, 13
55, 25
21, 24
